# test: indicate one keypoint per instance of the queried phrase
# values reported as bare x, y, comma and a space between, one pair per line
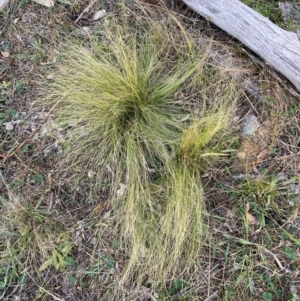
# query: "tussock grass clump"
202, 144
120, 100
120, 103
125, 120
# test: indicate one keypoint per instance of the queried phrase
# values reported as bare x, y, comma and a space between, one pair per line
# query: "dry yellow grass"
127, 122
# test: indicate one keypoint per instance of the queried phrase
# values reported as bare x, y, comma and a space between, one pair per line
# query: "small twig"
55, 297
2, 74
86, 10
282, 268
5, 184
250, 102
7, 156
212, 296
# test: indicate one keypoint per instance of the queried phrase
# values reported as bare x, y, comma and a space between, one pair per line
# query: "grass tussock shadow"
120, 102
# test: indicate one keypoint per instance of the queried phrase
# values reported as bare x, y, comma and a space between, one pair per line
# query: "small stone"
122, 189
91, 174
294, 289
286, 8
291, 15
250, 125
294, 188
106, 215
8, 126
99, 14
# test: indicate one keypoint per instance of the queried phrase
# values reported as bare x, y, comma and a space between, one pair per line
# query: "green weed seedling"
59, 258
20, 87
16, 183
177, 286
290, 253
38, 178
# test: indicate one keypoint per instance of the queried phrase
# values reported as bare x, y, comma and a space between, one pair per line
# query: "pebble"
8, 126
250, 125
99, 14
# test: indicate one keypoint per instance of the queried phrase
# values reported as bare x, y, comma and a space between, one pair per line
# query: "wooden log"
278, 47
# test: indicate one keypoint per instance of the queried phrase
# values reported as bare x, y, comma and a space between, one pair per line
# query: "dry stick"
286, 270
2, 74
213, 296
86, 10
250, 102
6, 156
55, 297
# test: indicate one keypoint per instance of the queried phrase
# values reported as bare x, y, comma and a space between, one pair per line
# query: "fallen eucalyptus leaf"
46, 264
250, 218
262, 154
5, 53
106, 215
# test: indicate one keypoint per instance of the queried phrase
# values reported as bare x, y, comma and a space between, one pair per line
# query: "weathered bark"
278, 47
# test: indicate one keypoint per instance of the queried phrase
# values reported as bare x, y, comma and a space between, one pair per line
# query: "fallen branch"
278, 47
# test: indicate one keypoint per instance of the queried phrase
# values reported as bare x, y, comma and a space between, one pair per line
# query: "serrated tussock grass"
125, 120
202, 144
120, 99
